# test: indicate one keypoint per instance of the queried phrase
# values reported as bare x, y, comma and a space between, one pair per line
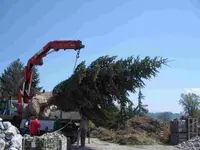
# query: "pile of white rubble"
192, 144
10, 137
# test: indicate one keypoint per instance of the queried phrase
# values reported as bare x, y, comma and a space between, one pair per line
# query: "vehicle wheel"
16, 121
73, 139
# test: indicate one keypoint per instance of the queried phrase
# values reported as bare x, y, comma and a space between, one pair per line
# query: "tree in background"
114, 117
12, 78
141, 109
36, 81
165, 116
1, 93
190, 103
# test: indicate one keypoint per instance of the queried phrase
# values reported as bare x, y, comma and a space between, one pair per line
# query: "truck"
8, 110
69, 120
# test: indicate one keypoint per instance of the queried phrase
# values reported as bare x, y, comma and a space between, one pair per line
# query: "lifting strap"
77, 56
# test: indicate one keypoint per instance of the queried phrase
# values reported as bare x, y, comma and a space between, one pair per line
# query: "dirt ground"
99, 145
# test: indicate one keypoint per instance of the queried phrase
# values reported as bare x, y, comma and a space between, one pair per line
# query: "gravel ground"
99, 145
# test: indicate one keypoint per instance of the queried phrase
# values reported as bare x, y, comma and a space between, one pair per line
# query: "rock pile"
192, 144
48, 141
10, 138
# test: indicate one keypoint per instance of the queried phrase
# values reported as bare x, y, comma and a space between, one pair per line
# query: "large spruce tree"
93, 90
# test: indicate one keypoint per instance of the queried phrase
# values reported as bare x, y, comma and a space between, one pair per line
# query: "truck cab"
8, 109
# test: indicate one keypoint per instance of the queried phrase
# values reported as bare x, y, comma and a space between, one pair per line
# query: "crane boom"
37, 60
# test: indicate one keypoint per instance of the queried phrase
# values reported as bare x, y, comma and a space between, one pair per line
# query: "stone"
2, 144
10, 138
16, 141
192, 144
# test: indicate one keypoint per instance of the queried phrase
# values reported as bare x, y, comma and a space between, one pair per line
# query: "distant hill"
172, 115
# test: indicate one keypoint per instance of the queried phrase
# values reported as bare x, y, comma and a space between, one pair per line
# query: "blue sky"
168, 28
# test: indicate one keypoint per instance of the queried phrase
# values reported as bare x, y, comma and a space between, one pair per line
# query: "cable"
77, 56
61, 128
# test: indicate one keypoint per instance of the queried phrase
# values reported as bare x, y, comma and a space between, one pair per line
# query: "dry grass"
138, 131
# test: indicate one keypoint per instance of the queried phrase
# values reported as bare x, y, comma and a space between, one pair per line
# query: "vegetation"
158, 114
165, 116
138, 131
12, 78
190, 103
141, 109
94, 90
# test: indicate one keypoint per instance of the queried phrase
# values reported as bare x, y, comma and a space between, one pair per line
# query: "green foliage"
113, 117
95, 89
190, 103
91, 124
12, 78
36, 81
197, 114
165, 116
157, 114
141, 109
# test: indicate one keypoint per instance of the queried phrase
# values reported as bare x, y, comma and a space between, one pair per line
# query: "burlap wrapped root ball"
35, 107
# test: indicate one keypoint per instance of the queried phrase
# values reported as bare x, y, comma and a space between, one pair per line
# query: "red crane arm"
37, 59
56, 45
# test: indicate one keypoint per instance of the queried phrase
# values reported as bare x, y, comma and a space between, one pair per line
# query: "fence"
192, 128
183, 130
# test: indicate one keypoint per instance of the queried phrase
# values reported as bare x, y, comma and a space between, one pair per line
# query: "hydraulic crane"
37, 60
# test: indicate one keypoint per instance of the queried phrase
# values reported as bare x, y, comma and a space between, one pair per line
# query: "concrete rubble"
192, 144
10, 138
